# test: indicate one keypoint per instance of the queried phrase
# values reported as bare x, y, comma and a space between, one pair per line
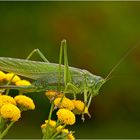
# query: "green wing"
27, 68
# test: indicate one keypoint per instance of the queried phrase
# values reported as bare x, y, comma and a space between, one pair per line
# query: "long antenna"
119, 62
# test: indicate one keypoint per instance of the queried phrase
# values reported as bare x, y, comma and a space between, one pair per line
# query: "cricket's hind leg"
27, 58
39, 53
65, 73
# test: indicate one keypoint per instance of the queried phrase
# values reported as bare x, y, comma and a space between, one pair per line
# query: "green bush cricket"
56, 76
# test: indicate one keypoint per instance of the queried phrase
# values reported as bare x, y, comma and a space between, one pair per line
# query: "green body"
46, 75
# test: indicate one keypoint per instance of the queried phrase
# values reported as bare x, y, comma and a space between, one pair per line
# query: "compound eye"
91, 82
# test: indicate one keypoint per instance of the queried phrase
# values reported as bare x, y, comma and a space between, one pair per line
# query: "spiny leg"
39, 53
59, 69
62, 47
85, 92
87, 100
27, 58
67, 76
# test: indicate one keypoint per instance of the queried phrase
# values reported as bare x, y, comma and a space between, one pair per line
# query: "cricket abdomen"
52, 81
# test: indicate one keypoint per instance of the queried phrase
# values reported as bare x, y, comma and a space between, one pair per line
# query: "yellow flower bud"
24, 102
4, 99
43, 126
80, 108
51, 94
10, 111
51, 123
10, 75
65, 131
70, 137
65, 103
2, 76
66, 116
59, 128
22, 83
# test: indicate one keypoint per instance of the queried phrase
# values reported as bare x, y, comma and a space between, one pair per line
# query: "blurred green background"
98, 35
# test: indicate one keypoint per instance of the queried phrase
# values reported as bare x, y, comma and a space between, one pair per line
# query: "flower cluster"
15, 79
10, 108
67, 109
52, 129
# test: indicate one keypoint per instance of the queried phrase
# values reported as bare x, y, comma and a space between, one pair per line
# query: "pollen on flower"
4, 99
51, 122
22, 83
2, 76
24, 102
66, 116
9, 76
10, 111
65, 103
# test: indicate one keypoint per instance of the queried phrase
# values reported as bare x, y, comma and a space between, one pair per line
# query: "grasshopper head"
94, 82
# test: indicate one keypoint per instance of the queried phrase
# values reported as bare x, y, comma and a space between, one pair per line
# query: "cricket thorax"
93, 81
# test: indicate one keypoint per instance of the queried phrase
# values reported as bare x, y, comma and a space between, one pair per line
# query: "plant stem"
7, 91
2, 124
6, 130
57, 132
50, 114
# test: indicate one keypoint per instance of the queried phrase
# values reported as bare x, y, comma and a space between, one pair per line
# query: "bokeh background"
98, 35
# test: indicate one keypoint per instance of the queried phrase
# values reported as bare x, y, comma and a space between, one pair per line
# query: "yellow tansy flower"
4, 99
80, 108
66, 116
10, 111
51, 123
1, 103
24, 102
51, 94
22, 83
70, 137
10, 75
2, 76
43, 126
48, 127
65, 103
